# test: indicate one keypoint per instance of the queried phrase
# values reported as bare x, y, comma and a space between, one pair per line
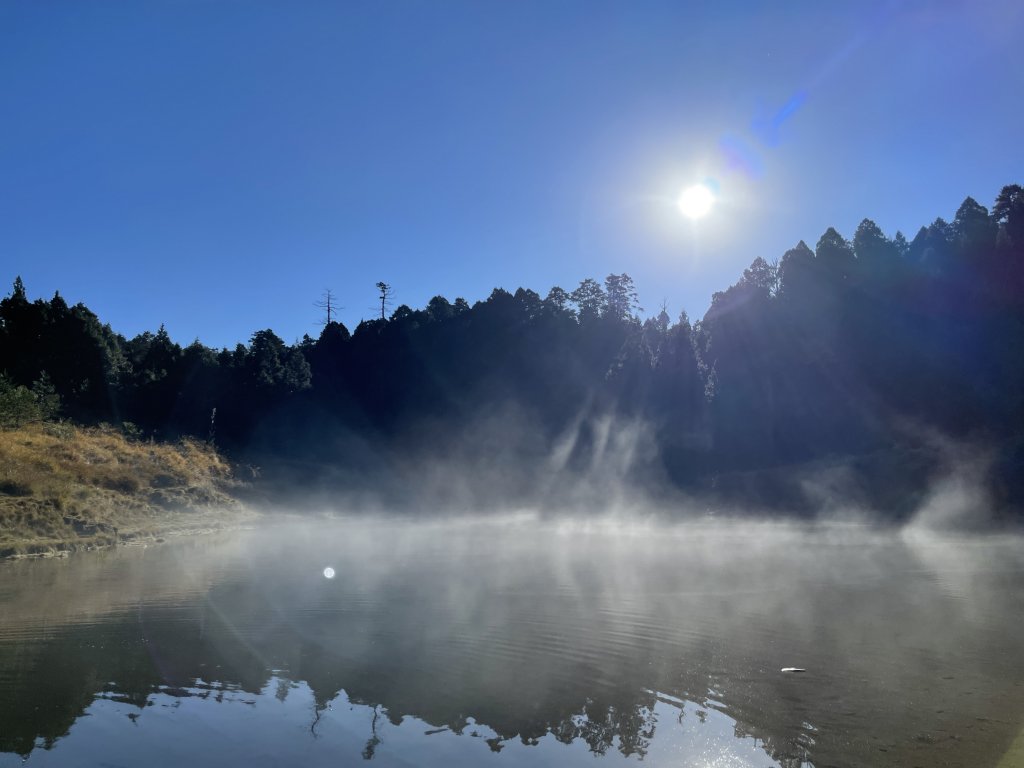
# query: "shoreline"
65, 489
243, 521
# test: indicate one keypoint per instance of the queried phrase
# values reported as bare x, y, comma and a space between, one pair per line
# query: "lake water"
516, 642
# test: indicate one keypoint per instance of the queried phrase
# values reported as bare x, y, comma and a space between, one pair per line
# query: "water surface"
517, 642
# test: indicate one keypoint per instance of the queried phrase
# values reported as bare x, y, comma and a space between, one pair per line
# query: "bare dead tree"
329, 304
318, 711
374, 740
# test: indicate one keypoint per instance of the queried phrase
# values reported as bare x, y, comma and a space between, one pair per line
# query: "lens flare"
695, 202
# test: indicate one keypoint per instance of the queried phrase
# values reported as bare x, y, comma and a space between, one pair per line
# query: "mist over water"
520, 640
609, 464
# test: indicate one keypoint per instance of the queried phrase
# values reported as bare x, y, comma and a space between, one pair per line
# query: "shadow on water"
445, 642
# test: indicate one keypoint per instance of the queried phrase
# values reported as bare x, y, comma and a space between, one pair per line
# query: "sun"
695, 202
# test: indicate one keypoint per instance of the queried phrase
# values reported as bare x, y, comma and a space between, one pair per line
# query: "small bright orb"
695, 202
328, 572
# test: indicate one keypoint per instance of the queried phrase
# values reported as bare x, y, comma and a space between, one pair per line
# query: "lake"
518, 641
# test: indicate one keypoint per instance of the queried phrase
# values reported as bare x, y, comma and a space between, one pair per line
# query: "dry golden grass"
64, 487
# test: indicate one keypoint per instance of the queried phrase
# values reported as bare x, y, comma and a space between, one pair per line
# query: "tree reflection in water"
434, 634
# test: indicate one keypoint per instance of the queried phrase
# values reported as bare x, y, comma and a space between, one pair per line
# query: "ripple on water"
666, 645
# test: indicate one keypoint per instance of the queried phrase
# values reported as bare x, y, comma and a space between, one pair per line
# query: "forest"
864, 369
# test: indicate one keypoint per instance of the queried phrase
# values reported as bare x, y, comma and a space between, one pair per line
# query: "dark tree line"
849, 348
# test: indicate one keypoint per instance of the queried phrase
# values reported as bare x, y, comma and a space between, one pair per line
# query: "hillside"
65, 488
889, 362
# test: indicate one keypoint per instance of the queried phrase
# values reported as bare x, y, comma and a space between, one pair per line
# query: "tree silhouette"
1008, 213
590, 300
621, 298
826, 353
386, 293
329, 304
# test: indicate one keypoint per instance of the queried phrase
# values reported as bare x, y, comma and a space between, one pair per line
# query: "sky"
215, 165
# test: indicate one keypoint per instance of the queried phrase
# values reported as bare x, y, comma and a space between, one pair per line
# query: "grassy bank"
65, 488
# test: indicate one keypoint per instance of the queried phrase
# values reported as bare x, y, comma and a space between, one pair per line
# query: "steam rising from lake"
609, 635
604, 464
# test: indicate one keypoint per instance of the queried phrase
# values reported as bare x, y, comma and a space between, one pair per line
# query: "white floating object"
328, 572
792, 669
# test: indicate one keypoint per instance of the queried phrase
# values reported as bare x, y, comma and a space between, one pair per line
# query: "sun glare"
695, 202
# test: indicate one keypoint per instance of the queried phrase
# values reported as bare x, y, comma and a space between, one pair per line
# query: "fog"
561, 591
527, 623
608, 464
910, 639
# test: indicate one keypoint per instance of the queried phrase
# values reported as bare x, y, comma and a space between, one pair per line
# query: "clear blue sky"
215, 165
